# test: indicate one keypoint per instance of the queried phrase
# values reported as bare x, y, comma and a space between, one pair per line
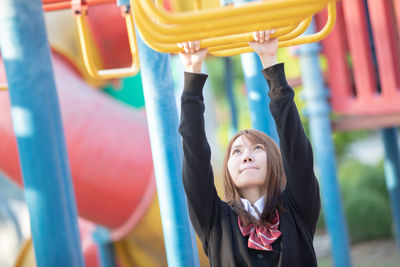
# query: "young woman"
272, 196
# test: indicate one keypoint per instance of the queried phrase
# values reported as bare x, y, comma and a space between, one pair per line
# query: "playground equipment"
100, 188
290, 18
357, 106
80, 12
366, 93
238, 23
114, 188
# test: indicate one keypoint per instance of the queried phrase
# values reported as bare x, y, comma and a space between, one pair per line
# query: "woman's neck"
252, 194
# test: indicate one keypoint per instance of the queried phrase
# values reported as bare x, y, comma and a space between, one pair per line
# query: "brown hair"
274, 184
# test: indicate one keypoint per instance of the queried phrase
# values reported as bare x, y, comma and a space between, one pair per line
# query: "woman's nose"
247, 157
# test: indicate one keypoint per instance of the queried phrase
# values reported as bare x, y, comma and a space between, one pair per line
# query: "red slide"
108, 147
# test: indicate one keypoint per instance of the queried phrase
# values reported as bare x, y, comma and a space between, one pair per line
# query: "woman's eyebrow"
237, 146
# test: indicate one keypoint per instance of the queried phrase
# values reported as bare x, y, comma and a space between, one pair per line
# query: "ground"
377, 253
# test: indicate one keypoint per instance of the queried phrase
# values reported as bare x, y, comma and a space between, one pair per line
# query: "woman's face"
247, 164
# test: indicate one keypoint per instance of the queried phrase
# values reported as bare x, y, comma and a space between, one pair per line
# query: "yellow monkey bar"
223, 13
87, 54
323, 33
3, 86
226, 30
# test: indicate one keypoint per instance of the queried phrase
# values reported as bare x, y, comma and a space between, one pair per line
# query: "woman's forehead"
245, 140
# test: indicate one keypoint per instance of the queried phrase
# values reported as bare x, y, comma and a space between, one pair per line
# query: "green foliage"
365, 201
321, 220
368, 215
342, 141
216, 69
356, 175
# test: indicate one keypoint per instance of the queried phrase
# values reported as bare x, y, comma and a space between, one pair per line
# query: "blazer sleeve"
197, 173
302, 186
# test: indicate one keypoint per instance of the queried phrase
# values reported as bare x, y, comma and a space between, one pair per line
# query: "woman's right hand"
192, 57
265, 47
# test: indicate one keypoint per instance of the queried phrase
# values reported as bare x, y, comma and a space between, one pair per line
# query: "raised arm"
302, 186
198, 179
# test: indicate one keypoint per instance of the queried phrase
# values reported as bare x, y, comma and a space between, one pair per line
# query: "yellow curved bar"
214, 44
209, 28
173, 48
293, 34
159, 3
243, 37
226, 42
245, 43
145, 27
240, 43
221, 13
223, 36
298, 31
299, 40
87, 55
197, 5
322, 34
165, 44
229, 45
3, 87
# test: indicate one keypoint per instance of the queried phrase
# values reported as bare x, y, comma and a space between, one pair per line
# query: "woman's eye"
235, 151
259, 147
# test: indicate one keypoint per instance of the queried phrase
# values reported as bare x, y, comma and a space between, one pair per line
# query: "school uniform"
214, 220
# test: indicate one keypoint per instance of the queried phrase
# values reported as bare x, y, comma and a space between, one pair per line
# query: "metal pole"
166, 147
392, 175
318, 110
37, 124
104, 246
257, 93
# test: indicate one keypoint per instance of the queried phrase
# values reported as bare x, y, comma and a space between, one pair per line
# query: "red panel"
109, 31
386, 47
354, 32
334, 47
357, 35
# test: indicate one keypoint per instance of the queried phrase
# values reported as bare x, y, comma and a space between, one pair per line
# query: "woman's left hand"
265, 47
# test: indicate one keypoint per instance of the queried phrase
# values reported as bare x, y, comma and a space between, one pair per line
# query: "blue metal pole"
37, 125
318, 110
392, 174
104, 246
257, 93
166, 148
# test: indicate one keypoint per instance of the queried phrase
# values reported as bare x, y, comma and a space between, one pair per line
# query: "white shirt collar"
259, 205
